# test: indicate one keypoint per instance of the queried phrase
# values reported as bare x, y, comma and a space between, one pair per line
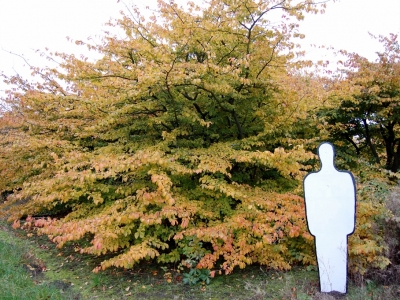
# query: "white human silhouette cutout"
330, 198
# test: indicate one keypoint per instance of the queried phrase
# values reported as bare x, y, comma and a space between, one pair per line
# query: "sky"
29, 25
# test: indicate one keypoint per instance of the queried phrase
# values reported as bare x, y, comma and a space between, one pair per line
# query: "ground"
66, 274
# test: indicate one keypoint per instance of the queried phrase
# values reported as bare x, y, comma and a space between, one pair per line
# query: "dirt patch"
61, 285
65, 287
34, 270
34, 266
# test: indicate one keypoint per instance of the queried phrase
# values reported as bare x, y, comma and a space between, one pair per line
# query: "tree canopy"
186, 142
366, 112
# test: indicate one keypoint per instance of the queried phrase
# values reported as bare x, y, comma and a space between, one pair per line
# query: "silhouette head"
326, 155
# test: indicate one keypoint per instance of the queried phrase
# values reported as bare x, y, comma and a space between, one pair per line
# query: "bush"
185, 141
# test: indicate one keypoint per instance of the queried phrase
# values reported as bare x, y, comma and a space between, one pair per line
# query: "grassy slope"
32, 268
19, 278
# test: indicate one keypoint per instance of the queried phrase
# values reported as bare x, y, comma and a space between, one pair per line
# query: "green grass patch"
20, 274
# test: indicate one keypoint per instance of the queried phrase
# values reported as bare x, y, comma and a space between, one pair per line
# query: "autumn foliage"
190, 137
365, 104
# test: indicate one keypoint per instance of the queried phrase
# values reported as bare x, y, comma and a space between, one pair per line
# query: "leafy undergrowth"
41, 271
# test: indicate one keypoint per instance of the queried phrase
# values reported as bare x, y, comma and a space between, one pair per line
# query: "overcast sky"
28, 25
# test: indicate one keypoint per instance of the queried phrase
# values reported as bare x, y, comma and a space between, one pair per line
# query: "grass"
32, 268
19, 274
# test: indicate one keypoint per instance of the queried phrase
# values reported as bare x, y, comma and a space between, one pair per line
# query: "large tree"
179, 143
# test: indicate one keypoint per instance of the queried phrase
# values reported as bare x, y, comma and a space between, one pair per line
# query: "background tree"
367, 107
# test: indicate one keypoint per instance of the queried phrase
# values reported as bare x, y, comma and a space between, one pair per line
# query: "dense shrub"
184, 143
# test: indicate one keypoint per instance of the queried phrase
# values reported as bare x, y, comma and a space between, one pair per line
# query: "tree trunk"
390, 143
369, 142
396, 161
